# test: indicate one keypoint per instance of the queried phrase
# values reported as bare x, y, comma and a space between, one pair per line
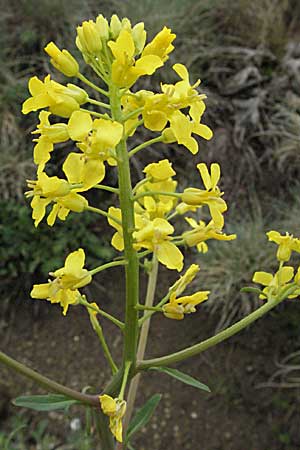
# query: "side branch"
46, 382
210, 342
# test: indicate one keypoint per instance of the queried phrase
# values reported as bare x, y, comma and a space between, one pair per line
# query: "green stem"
136, 125
152, 281
103, 213
98, 329
153, 193
210, 342
92, 85
96, 102
133, 113
144, 145
157, 307
46, 382
128, 225
148, 308
107, 266
124, 381
96, 114
106, 188
100, 311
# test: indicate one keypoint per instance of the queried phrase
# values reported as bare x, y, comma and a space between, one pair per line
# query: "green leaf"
142, 416
48, 402
251, 289
183, 377
130, 447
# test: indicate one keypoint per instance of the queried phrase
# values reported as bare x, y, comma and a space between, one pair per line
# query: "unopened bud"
62, 60
89, 39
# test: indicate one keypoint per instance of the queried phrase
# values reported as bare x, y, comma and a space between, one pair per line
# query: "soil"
236, 415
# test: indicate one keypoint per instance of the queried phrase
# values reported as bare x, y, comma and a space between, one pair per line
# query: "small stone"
75, 424
227, 435
76, 338
194, 415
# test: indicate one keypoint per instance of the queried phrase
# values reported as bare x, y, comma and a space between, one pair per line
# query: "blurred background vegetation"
247, 54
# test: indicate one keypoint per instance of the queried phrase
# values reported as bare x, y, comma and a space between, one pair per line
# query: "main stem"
128, 225
142, 342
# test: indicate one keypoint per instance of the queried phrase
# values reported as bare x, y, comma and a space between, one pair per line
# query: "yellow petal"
108, 404
147, 65
170, 256
263, 278
203, 131
37, 102
160, 171
118, 242
36, 86
202, 167
42, 150
215, 174
73, 167
75, 262
79, 125
285, 274
52, 216
40, 291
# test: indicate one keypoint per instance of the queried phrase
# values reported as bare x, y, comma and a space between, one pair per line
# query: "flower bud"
102, 27
139, 37
191, 196
62, 60
76, 93
173, 311
64, 107
168, 136
74, 202
126, 24
115, 26
89, 39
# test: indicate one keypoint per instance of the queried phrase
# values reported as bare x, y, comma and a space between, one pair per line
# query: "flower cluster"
95, 126
284, 283
64, 287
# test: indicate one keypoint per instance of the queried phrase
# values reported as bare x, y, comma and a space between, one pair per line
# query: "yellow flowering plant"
100, 136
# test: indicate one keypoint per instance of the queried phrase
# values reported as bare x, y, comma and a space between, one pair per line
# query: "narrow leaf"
48, 402
251, 289
143, 416
183, 377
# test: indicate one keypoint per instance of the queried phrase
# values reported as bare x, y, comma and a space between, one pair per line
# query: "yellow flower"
159, 109
67, 280
211, 196
125, 69
159, 171
177, 307
62, 60
161, 44
46, 190
159, 176
286, 244
181, 129
97, 140
115, 409
61, 100
202, 232
154, 235
49, 135
274, 283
